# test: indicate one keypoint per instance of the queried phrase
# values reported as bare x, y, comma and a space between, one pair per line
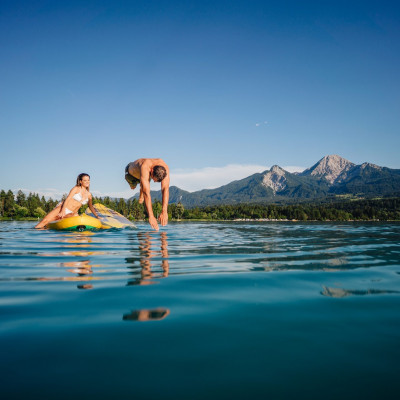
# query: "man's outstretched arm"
145, 186
163, 218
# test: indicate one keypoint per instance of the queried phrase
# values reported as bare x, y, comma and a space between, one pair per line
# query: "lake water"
201, 310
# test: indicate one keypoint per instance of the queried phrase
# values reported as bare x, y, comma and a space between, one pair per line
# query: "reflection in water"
82, 268
148, 261
78, 267
339, 293
151, 255
66, 278
76, 253
292, 263
85, 286
147, 315
82, 238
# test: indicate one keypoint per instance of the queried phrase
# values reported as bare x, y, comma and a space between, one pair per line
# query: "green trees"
21, 199
22, 206
33, 202
157, 208
21, 212
386, 209
383, 210
2, 201
39, 212
9, 204
177, 210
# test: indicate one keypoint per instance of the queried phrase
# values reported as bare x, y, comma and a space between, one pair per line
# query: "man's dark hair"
159, 173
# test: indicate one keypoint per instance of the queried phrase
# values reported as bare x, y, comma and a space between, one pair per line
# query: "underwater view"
226, 310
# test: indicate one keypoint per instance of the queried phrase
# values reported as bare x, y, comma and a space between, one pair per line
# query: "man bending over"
141, 171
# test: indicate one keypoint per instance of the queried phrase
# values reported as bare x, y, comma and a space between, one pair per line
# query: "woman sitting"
77, 197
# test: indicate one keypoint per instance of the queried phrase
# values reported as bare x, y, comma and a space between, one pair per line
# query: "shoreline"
32, 219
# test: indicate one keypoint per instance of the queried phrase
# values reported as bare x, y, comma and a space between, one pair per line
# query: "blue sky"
218, 89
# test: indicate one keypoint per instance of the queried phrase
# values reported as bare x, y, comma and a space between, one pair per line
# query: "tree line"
364, 210
21, 206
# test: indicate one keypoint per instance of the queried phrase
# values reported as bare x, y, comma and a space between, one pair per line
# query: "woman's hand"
60, 215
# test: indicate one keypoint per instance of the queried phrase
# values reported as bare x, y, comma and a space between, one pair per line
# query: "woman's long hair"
80, 177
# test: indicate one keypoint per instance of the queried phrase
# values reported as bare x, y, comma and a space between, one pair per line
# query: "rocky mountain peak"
277, 169
275, 179
370, 165
330, 167
276, 184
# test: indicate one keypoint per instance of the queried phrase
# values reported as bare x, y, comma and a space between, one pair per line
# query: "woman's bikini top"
78, 197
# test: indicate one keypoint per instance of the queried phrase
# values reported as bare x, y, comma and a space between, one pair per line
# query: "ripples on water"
140, 256
248, 289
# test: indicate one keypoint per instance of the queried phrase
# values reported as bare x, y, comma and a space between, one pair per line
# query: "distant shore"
32, 207
5, 219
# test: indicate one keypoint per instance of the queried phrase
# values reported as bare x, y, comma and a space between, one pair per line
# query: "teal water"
201, 310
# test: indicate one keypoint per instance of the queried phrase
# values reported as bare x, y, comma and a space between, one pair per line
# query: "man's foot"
141, 199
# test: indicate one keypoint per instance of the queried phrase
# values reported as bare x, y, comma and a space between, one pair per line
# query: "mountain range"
330, 177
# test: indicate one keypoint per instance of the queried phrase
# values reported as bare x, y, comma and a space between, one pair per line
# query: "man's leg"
132, 181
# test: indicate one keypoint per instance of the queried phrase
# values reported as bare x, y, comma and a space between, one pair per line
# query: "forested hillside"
23, 206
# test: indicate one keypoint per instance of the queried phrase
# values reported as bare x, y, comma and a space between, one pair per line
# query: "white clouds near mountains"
213, 177
190, 180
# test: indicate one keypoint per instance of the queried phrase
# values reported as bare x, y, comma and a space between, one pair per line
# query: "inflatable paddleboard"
110, 218
79, 223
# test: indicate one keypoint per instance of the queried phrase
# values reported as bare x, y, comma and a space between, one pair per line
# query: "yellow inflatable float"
87, 222
80, 223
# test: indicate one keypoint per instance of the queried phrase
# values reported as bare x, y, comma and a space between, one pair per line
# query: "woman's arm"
90, 204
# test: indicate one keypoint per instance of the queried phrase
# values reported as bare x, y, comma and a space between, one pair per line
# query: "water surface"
201, 310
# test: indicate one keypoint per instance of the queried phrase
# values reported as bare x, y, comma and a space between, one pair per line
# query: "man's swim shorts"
133, 181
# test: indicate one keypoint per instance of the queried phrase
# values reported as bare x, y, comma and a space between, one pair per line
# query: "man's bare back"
136, 167
141, 172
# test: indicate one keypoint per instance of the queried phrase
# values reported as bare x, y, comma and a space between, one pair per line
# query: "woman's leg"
51, 216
